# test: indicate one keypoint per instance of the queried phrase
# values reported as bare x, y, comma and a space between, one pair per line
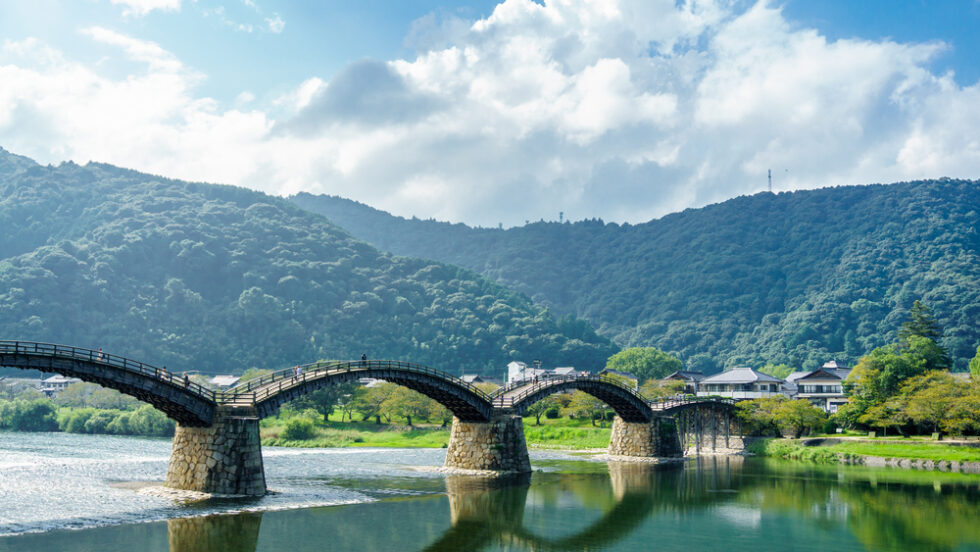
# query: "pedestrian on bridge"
299, 371
364, 359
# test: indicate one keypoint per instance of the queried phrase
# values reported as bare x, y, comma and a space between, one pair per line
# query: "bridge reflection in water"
501, 513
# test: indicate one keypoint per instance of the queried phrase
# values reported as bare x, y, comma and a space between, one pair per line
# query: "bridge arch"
269, 393
191, 405
629, 405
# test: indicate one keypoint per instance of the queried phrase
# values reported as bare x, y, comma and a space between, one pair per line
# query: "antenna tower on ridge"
770, 181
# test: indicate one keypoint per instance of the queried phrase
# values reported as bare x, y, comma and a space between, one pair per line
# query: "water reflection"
231, 533
488, 513
716, 503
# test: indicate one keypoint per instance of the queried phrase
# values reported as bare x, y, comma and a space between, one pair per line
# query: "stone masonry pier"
497, 445
225, 458
658, 438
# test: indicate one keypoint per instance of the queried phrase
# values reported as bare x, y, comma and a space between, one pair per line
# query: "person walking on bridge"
364, 359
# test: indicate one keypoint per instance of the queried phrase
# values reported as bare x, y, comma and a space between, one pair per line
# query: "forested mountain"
219, 279
796, 278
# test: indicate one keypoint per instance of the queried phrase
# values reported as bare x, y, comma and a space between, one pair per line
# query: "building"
472, 378
691, 380
823, 387
56, 384
567, 372
740, 383
520, 371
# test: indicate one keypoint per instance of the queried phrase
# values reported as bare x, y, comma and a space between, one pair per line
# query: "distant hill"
219, 279
796, 278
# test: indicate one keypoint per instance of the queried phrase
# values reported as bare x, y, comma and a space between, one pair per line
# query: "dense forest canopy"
220, 279
791, 278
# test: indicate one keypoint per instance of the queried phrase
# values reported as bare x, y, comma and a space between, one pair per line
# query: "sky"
499, 113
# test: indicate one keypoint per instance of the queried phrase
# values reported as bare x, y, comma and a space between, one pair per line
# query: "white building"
740, 383
56, 384
519, 371
823, 387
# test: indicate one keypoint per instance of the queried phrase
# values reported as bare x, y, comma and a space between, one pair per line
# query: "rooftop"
741, 375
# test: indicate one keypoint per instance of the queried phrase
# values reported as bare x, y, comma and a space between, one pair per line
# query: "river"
62, 492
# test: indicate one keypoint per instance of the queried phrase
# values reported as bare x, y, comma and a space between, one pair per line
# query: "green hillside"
219, 279
796, 278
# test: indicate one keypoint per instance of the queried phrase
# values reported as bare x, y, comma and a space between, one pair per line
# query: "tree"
369, 400
583, 404
644, 363
407, 403
929, 399
777, 370
921, 323
975, 366
758, 416
799, 416
884, 416
539, 408
324, 400
925, 354
659, 389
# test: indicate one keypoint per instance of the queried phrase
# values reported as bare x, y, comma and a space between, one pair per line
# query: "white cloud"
275, 24
623, 109
140, 8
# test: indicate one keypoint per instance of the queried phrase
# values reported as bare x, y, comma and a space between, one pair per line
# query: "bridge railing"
667, 404
502, 401
258, 389
107, 359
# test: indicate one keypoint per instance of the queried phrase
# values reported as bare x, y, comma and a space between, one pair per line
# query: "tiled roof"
740, 375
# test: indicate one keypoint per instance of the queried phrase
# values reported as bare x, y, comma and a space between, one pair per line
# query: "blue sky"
487, 113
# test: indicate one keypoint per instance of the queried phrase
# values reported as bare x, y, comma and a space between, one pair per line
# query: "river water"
63, 492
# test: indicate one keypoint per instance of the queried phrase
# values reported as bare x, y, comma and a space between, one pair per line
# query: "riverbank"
901, 454
561, 434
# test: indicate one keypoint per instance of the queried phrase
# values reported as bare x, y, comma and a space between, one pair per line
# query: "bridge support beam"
658, 438
497, 445
225, 458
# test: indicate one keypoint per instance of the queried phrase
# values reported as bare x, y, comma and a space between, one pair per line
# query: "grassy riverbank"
562, 433
834, 453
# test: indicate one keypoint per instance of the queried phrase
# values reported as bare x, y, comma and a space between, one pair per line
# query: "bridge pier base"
658, 438
225, 458
497, 445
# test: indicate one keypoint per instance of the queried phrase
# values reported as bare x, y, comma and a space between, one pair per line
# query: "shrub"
73, 421
552, 413
36, 415
149, 421
100, 420
298, 429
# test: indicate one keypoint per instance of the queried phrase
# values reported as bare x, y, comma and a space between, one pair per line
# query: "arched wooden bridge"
217, 447
193, 405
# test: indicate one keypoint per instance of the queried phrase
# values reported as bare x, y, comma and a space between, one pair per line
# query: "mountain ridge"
794, 277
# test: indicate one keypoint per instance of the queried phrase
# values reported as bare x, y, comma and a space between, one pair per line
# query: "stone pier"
497, 446
225, 458
655, 439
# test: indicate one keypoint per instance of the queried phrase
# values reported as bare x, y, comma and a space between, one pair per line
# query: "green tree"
369, 400
884, 416
975, 366
758, 416
644, 363
930, 399
798, 416
920, 322
539, 408
777, 370
925, 354
407, 403
583, 405
325, 399
660, 389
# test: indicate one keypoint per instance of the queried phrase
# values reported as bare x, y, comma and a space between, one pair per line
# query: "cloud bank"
624, 110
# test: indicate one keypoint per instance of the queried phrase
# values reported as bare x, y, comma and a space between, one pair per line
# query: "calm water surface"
75, 492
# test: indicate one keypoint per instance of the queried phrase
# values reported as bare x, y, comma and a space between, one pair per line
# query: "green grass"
563, 433
920, 451
830, 454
